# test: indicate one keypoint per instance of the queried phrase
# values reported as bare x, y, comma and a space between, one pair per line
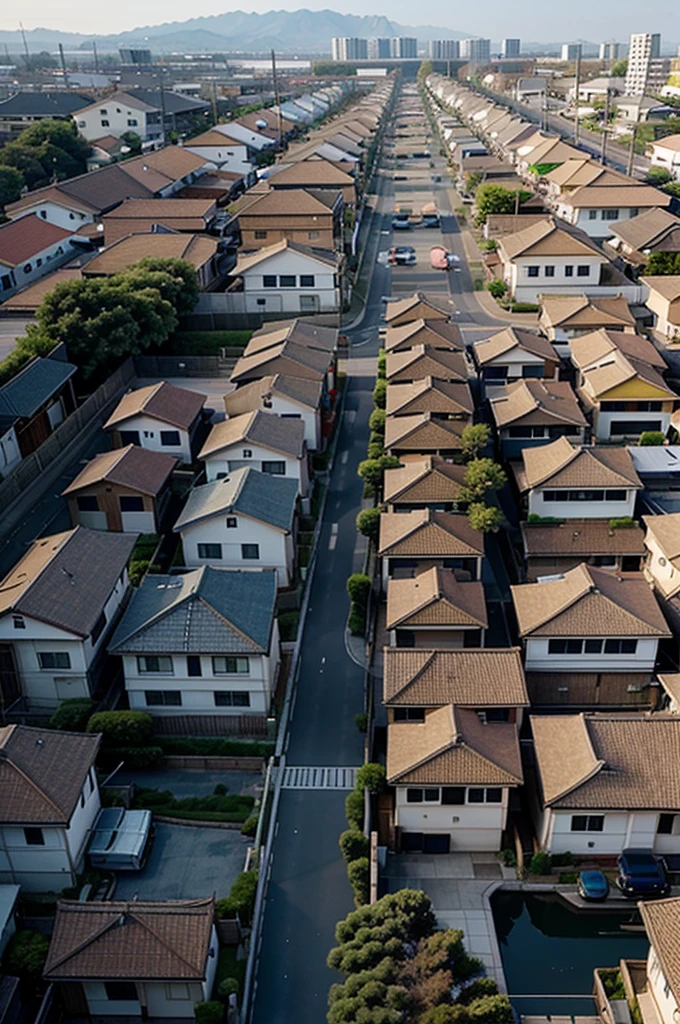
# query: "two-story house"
288, 277
514, 354
244, 521
306, 217
31, 247
217, 147
50, 798
436, 609
284, 396
529, 413
32, 405
423, 482
442, 399
117, 114
662, 562
267, 442
563, 317
57, 607
661, 919
557, 547
607, 782
137, 960
198, 250
593, 208
411, 542
142, 216
290, 359
590, 637
663, 299
160, 417
204, 644
423, 434
665, 153
633, 241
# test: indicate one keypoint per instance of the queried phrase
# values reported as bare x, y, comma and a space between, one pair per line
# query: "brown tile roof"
294, 202
662, 919
310, 172
608, 761
625, 196
212, 137
29, 299
161, 401
580, 311
501, 224
563, 464
511, 338
423, 479
278, 434
306, 393
420, 433
443, 398
665, 530
428, 534
669, 142
173, 162
195, 249
435, 598
425, 361
137, 468
66, 579
551, 151
28, 236
619, 369
588, 349
436, 333
42, 773
416, 307
247, 260
302, 333
647, 229
288, 359
535, 402
133, 941
453, 747
547, 239
581, 537
667, 285
586, 601
464, 676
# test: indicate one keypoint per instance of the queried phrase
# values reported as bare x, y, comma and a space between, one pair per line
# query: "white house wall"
537, 658
666, 578
10, 456
290, 300
226, 157
604, 422
598, 226
657, 984
580, 509
119, 117
275, 553
62, 216
622, 829
150, 436
232, 458
471, 826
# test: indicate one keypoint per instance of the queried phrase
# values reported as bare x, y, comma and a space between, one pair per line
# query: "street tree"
481, 477
368, 523
11, 184
473, 440
485, 518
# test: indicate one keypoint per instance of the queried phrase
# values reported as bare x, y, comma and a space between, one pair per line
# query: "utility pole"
63, 64
277, 99
605, 128
577, 90
631, 151
96, 56
23, 36
162, 110
214, 100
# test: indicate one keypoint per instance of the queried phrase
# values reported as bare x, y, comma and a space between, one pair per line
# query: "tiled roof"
661, 919
305, 393
513, 338
579, 310
160, 209
294, 202
310, 172
535, 402
619, 369
268, 499
42, 773
161, 401
589, 349
581, 537
133, 941
66, 579
667, 285
247, 260
418, 304
140, 469
666, 532
42, 104
440, 397
452, 747
325, 339
437, 333
28, 236
435, 598
206, 611
467, 677
562, 464
423, 479
33, 386
624, 197
425, 361
288, 358
608, 761
421, 433
647, 229
547, 239
588, 602
195, 249
266, 429
428, 534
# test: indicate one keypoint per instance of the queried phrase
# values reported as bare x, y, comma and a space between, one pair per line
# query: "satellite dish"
260, 123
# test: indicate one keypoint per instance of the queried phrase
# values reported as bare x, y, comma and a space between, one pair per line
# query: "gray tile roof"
207, 611
23, 395
268, 499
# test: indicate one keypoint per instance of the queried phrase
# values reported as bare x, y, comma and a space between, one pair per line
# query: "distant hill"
288, 31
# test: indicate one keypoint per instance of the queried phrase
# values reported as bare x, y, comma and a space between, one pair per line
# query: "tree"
359, 874
652, 438
184, 274
380, 394
358, 587
25, 159
371, 470
496, 199
474, 439
497, 288
658, 176
376, 421
619, 68
122, 728
368, 523
11, 184
26, 954
73, 714
481, 476
672, 189
133, 140
663, 263
371, 777
472, 181
484, 518
353, 844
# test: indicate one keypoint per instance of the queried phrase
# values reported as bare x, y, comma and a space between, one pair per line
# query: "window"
532, 271
247, 453
28, 268
422, 796
593, 646
177, 990
632, 428
260, 234
54, 659
132, 122
105, 124
615, 495
18, 622
232, 699
582, 270
313, 234
287, 280
275, 468
610, 215
232, 522
103, 112
163, 698
98, 628
475, 796
565, 646
154, 663
587, 822
38, 262
34, 837
494, 796
409, 714
87, 503
569, 270
619, 646
549, 271
592, 214
526, 432
453, 796
269, 281
170, 438
43, 214
307, 280
646, 406
131, 503
250, 551
129, 437
194, 665
121, 991
230, 665
213, 551
665, 825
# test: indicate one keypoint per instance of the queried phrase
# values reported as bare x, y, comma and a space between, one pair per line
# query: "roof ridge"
595, 770
88, 940
227, 621
32, 783
582, 570
163, 612
159, 938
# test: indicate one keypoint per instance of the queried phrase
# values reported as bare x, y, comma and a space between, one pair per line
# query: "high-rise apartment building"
610, 51
475, 50
444, 49
570, 51
404, 47
379, 49
346, 48
643, 53
510, 48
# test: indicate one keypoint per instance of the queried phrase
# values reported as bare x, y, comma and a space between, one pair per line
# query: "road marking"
319, 778
344, 458
332, 542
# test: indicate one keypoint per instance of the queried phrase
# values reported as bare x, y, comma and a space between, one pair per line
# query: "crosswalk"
314, 777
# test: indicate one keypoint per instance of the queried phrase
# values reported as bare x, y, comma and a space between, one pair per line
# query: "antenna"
23, 36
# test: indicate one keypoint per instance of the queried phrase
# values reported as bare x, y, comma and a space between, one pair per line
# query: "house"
424, 361
563, 317
57, 607
665, 153
127, 489
423, 482
286, 397
607, 782
662, 564
423, 434
416, 307
661, 919
547, 258
441, 398
206, 642
436, 609
306, 217
551, 548
50, 798
198, 250
658, 467
160, 417
654, 231
592, 208
289, 359
32, 405
411, 542
227, 153
437, 334
22, 109
314, 174
144, 216
514, 354
590, 637
451, 777
244, 521
289, 278
133, 959
30, 247
489, 680
263, 440
530, 412
663, 299
117, 114
564, 481
299, 330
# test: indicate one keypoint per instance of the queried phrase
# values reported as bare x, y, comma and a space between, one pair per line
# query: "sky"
536, 20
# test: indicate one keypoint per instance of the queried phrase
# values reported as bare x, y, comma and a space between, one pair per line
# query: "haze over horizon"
532, 20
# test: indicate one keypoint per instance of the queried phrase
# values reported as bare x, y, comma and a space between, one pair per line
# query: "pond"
549, 951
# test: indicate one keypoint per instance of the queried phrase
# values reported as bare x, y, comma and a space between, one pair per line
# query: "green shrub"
354, 844
562, 860
356, 620
568, 877
612, 983
382, 363
359, 874
134, 757
228, 987
288, 626
540, 863
491, 1010
242, 895
375, 449
508, 857
249, 827
376, 421
209, 1013
361, 721
122, 728
478, 988
73, 715
220, 789
25, 955
368, 523
354, 809
137, 570
524, 307
652, 438
217, 747
497, 288
623, 523
358, 587
371, 776
380, 394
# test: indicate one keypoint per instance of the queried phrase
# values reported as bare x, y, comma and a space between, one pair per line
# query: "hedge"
217, 747
122, 728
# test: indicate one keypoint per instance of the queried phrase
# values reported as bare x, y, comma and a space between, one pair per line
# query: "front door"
437, 843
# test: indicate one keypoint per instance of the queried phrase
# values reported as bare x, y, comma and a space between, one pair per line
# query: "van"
121, 840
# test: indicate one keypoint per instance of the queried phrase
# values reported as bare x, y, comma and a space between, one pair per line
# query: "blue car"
593, 885
641, 874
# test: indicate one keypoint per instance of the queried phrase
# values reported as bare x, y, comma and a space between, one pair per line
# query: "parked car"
430, 220
402, 255
641, 874
121, 839
401, 222
593, 885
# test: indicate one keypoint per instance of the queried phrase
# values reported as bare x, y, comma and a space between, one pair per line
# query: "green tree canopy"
485, 518
368, 522
496, 199
658, 176
474, 439
663, 263
481, 477
11, 184
619, 68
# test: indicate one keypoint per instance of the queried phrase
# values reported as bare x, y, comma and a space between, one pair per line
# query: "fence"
183, 366
212, 725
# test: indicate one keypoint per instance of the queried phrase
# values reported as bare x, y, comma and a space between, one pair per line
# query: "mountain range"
291, 32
